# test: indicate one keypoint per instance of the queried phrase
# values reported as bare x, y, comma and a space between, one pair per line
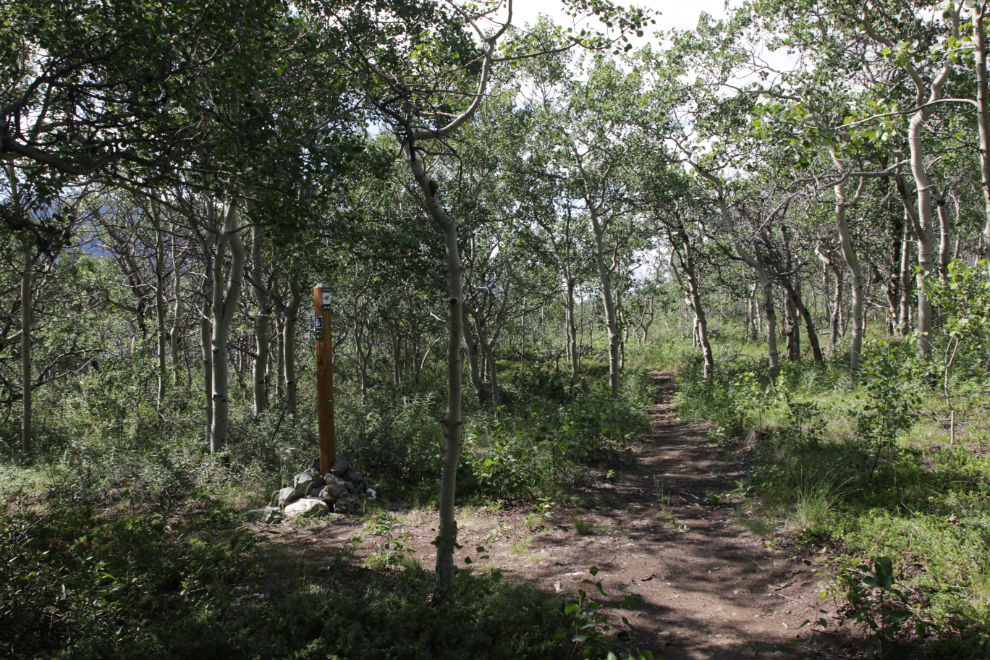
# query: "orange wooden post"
324, 379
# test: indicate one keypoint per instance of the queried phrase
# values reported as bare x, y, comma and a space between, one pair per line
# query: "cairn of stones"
341, 490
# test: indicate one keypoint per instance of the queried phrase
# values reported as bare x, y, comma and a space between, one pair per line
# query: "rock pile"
342, 490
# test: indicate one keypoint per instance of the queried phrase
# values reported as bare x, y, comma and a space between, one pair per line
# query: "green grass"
582, 525
926, 506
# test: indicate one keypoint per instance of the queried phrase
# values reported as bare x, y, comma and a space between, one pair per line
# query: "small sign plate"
326, 299
318, 321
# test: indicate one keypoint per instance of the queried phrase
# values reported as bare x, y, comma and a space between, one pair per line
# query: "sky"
682, 14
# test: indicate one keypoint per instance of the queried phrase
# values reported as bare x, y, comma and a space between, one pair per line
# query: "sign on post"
324, 379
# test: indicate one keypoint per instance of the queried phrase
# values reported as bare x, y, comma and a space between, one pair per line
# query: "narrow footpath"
670, 529
710, 588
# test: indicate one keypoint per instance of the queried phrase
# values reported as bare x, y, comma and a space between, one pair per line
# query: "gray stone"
354, 476
271, 514
304, 482
370, 495
316, 463
328, 494
307, 507
349, 486
340, 466
360, 488
334, 490
287, 496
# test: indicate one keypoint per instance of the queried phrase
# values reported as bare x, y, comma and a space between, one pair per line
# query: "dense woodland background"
790, 208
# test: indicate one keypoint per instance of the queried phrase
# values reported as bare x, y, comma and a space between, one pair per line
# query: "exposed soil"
669, 529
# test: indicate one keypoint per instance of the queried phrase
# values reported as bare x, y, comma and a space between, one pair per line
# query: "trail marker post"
324, 379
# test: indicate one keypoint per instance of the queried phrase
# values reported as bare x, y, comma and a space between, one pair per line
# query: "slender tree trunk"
809, 325
611, 316
27, 381
571, 328
893, 289
921, 222
620, 316
758, 326
771, 319
904, 317
792, 333
291, 322
471, 348
279, 370
174, 333
224, 309
487, 346
800, 309
206, 338
852, 262
835, 319
362, 356
980, 55
750, 333
687, 265
160, 310
396, 357
453, 427
262, 325
945, 240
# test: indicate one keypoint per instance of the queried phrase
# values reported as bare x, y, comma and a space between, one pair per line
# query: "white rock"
306, 508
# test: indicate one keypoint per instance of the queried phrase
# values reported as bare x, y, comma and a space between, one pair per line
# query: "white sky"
682, 14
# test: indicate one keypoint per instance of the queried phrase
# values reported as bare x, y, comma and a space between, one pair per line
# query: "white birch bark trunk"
224, 309
856, 270
571, 327
453, 426
980, 55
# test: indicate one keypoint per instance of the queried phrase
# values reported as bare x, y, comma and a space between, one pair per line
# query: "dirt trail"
710, 589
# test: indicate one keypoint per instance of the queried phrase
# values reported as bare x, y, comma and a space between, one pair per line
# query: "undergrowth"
95, 579
865, 470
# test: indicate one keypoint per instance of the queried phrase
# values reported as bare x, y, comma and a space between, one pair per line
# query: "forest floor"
668, 527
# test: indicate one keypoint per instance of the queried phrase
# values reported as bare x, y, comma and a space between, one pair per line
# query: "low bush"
78, 580
536, 446
87, 581
867, 468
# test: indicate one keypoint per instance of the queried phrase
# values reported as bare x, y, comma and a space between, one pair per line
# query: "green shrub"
395, 443
536, 446
78, 581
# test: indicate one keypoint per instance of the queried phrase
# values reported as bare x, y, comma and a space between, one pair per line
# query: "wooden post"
324, 379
